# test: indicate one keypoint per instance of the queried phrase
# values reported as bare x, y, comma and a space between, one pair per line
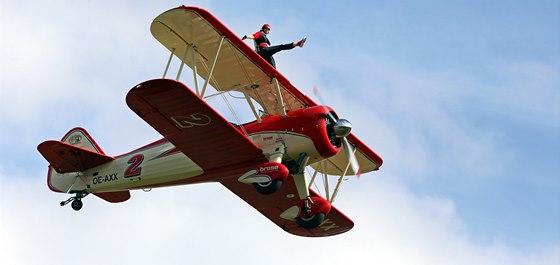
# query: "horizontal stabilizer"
116, 196
65, 158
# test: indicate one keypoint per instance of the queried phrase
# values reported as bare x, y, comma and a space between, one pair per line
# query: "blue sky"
461, 99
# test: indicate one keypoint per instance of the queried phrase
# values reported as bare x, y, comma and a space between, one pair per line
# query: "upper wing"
195, 36
238, 67
273, 205
64, 157
191, 125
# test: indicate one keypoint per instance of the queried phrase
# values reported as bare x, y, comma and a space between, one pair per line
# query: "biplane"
266, 162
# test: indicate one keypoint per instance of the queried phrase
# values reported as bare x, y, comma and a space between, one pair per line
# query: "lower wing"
273, 205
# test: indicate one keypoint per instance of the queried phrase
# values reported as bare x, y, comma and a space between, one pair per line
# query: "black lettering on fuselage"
104, 179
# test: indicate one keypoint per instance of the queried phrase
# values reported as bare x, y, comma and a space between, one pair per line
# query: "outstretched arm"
252, 36
249, 36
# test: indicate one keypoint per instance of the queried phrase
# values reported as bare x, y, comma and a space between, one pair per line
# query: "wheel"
311, 221
77, 205
269, 187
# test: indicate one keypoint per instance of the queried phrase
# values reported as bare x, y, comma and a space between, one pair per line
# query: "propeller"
342, 128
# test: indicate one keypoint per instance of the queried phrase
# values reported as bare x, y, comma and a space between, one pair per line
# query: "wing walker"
272, 163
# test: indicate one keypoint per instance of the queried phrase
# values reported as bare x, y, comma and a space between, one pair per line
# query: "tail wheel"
312, 221
268, 187
77, 204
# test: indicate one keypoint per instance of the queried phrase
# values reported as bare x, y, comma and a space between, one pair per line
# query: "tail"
79, 137
76, 152
68, 158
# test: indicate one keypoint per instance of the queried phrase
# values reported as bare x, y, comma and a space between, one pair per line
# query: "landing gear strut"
313, 210
76, 200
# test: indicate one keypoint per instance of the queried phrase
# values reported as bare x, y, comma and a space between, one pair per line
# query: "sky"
460, 98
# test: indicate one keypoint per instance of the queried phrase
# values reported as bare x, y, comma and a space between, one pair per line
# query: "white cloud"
208, 224
64, 65
413, 118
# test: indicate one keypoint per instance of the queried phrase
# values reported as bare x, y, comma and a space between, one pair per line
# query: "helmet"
265, 26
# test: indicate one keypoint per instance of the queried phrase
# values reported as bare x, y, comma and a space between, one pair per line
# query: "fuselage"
162, 164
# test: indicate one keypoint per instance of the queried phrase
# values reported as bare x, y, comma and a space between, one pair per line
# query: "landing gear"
268, 187
312, 221
298, 165
313, 211
76, 201
267, 178
77, 204
277, 173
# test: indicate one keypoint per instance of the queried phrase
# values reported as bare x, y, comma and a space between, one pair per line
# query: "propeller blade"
322, 102
331, 118
346, 145
351, 156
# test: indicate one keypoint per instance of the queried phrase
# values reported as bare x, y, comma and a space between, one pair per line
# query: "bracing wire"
233, 113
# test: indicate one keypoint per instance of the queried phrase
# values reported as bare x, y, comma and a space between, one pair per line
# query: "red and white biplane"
264, 162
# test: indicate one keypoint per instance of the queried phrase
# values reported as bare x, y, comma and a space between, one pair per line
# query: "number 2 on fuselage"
134, 169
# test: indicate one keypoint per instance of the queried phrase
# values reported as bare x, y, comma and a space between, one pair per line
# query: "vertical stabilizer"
80, 137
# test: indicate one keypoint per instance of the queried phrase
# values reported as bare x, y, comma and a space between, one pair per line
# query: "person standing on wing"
263, 44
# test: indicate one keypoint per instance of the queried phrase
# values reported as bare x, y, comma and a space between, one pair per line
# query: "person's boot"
301, 42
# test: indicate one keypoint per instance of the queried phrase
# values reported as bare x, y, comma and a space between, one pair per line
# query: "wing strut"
259, 120
279, 98
192, 48
335, 192
195, 71
321, 167
168, 63
213, 65
183, 62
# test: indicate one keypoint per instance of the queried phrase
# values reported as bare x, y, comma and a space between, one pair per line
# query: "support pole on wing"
335, 192
259, 120
213, 65
313, 177
195, 71
326, 182
183, 61
279, 98
322, 166
168, 63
